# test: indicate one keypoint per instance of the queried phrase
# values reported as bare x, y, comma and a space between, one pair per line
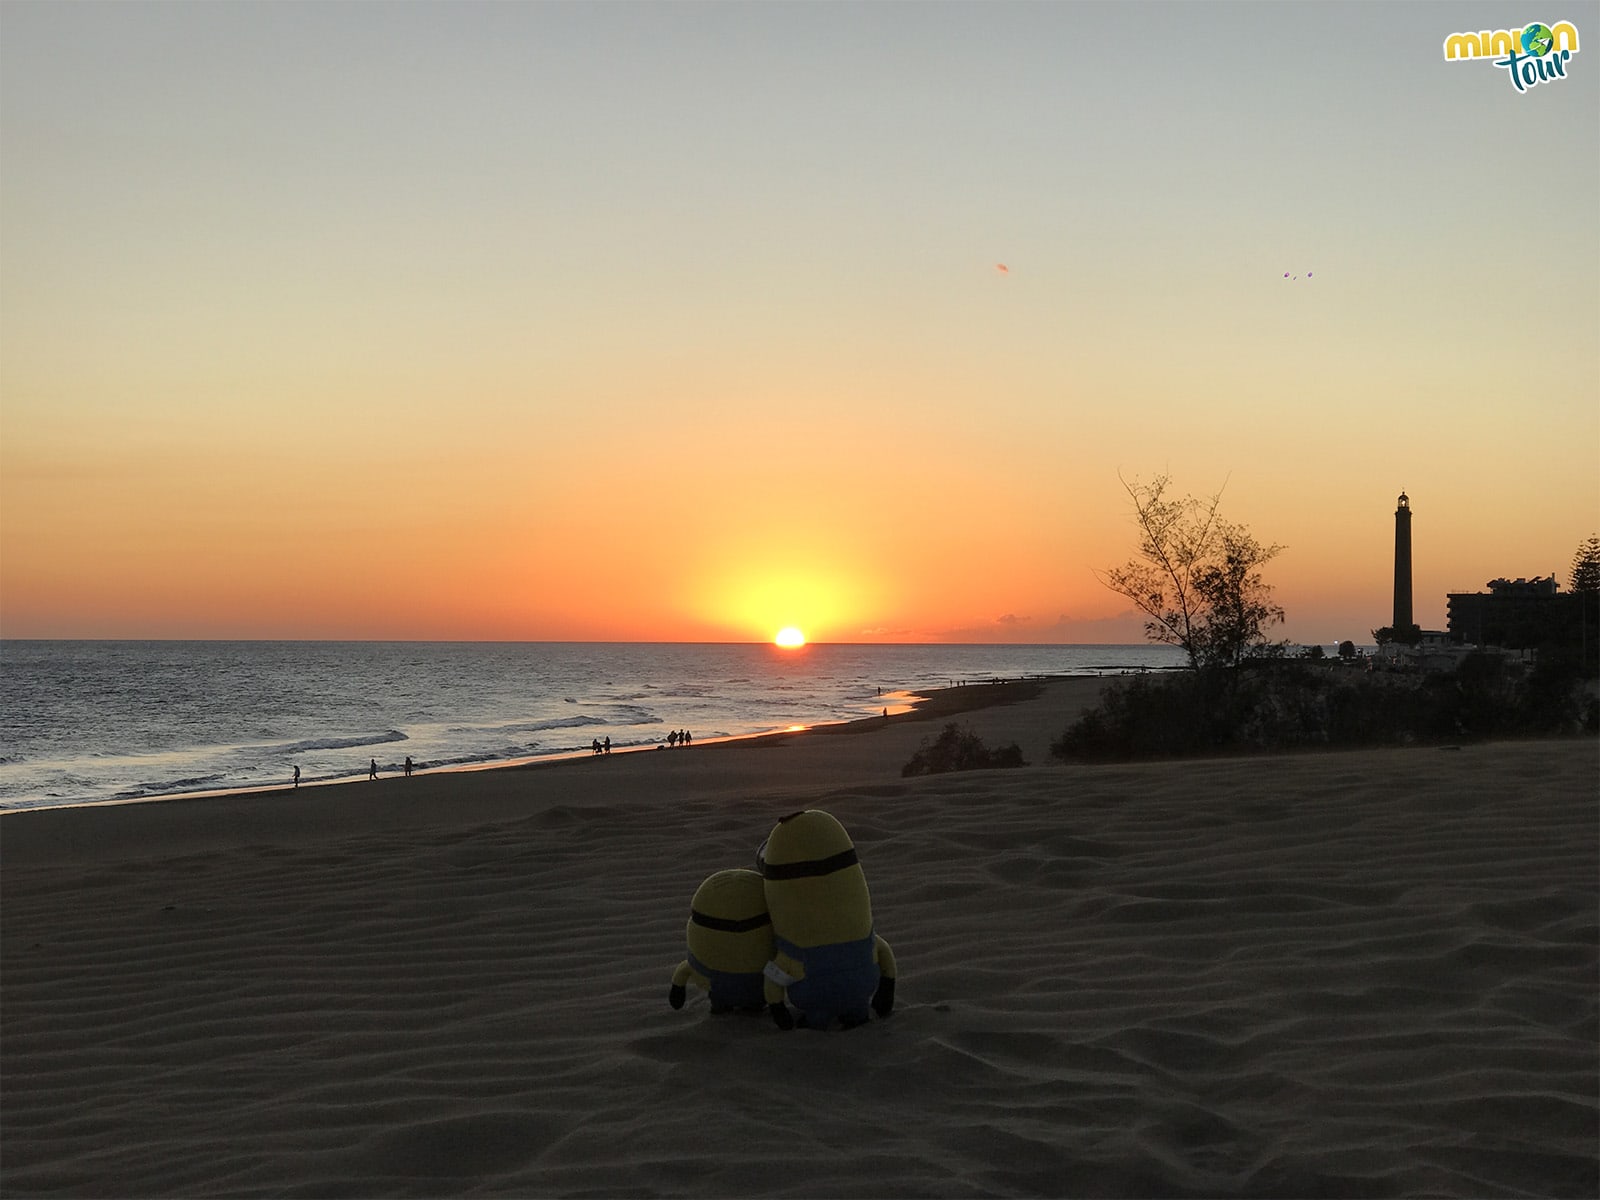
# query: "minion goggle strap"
807, 867
730, 924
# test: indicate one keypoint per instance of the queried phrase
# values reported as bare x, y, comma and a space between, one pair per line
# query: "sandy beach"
1354, 974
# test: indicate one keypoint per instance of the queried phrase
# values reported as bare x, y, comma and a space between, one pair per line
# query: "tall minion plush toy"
829, 961
730, 943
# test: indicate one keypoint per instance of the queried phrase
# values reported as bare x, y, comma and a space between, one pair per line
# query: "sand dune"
1367, 974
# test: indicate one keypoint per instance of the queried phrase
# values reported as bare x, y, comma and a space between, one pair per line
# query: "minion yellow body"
730, 943
829, 962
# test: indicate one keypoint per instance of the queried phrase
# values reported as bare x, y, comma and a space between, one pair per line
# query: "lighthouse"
1402, 567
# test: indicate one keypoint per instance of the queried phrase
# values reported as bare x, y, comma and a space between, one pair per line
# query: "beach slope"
1359, 974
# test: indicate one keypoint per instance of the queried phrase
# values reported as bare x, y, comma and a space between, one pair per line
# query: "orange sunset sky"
686, 322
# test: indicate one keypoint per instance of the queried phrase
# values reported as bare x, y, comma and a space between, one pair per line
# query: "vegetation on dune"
1295, 705
1585, 576
1585, 582
1197, 579
1405, 635
959, 749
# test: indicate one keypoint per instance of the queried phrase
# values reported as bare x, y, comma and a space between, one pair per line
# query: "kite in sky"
1002, 268
1286, 275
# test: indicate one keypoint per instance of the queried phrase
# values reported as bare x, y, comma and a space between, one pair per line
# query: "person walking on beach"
408, 766
372, 769
672, 739
608, 743
297, 777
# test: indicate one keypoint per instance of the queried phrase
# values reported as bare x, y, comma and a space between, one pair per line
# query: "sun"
789, 638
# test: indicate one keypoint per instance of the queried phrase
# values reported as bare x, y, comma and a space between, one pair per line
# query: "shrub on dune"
959, 749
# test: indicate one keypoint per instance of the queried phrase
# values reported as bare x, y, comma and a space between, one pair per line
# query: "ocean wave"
349, 743
511, 728
539, 726
632, 714
168, 787
620, 715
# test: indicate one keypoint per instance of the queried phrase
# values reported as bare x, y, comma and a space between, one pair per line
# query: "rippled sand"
1368, 974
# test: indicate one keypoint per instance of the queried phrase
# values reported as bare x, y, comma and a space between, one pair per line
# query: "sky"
685, 322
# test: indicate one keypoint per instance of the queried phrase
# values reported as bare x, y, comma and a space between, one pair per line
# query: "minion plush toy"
829, 960
730, 942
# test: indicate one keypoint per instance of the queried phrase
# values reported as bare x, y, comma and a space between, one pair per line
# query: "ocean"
95, 721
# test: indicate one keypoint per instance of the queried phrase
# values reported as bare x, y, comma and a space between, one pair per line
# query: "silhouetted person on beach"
297, 777
672, 738
608, 743
408, 766
372, 769
683, 738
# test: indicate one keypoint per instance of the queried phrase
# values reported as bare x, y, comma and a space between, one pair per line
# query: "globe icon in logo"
1537, 39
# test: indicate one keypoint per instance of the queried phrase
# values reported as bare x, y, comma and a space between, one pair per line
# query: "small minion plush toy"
730, 942
830, 963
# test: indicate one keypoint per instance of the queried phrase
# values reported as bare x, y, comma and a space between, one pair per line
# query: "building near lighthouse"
1517, 614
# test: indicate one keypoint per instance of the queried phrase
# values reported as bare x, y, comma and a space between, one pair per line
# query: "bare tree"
1197, 577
